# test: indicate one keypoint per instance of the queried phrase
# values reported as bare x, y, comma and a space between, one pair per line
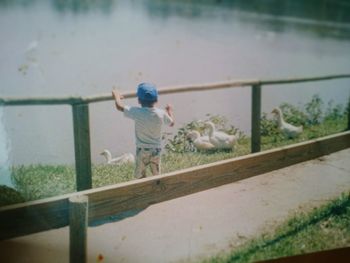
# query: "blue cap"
147, 92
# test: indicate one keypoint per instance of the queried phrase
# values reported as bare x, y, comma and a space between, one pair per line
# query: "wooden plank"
161, 188
78, 223
348, 108
82, 146
32, 101
255, 119
32, 217
22, 219
217, 86
306, 79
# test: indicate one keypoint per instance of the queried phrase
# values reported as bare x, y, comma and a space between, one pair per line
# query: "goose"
287, 129
124, 158
219, 139
200, 142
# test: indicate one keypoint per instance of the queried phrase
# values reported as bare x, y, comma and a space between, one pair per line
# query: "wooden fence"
41, 215
80, 109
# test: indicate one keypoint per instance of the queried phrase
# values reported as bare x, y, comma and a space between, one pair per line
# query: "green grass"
328, 127
324, 228
40, 181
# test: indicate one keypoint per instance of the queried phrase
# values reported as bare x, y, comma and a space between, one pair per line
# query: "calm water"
59, 48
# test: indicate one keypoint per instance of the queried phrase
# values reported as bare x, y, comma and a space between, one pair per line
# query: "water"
61, 48
5, 174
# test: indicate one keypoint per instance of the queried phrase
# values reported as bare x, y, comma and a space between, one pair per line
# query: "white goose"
124, 158
287, 129
200, 142
220, 139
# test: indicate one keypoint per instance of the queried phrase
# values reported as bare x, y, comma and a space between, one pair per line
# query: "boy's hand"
169, 110
118, 97
116, 94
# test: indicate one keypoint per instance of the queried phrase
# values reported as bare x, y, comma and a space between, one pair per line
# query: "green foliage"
41, 181
315, 121
293, 115
335, 112
180, 144
9, 196
268, 127
314, 110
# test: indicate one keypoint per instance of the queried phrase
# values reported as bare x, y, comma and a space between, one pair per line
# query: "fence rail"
71, 100
41, 215
80, 112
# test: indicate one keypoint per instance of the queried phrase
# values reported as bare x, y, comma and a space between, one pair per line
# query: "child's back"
148, 127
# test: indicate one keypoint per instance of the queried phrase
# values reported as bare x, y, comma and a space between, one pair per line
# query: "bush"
314, 110
180, 144
9, 196
335, 112
293, 115
268, 127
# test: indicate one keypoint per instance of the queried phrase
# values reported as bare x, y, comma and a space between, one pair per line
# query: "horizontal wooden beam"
13, 101
27, 218
33, 101
298, 80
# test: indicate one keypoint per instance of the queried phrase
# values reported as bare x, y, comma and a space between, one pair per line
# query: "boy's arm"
169, 110
118, 100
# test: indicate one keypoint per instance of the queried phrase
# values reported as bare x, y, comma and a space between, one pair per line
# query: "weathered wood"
78, 223
348, 114
145, 192
8, 101
255, 119
32, 217
217, 86
32, 101
82, 146
306, 79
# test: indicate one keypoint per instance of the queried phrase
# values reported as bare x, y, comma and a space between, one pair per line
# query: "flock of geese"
215, 140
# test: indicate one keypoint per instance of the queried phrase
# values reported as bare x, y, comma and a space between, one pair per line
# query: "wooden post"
82, 146
349, 113
78, 222
256, 115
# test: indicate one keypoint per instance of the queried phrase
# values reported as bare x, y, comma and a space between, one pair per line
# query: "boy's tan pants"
147, 157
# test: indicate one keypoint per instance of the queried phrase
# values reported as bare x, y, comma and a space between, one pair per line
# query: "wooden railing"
80, 109
41, 215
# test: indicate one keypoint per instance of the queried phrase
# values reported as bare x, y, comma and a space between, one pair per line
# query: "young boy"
148, 125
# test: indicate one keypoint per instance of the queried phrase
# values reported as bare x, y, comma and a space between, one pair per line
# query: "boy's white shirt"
148, 125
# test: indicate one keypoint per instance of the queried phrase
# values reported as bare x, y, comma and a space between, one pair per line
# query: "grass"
324, 228
40, 181
328, 127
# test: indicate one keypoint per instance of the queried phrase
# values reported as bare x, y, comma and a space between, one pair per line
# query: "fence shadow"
115, 218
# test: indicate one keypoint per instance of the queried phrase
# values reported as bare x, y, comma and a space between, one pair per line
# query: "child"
148, 123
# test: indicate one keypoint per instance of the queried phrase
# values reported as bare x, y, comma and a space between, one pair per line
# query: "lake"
63, 48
